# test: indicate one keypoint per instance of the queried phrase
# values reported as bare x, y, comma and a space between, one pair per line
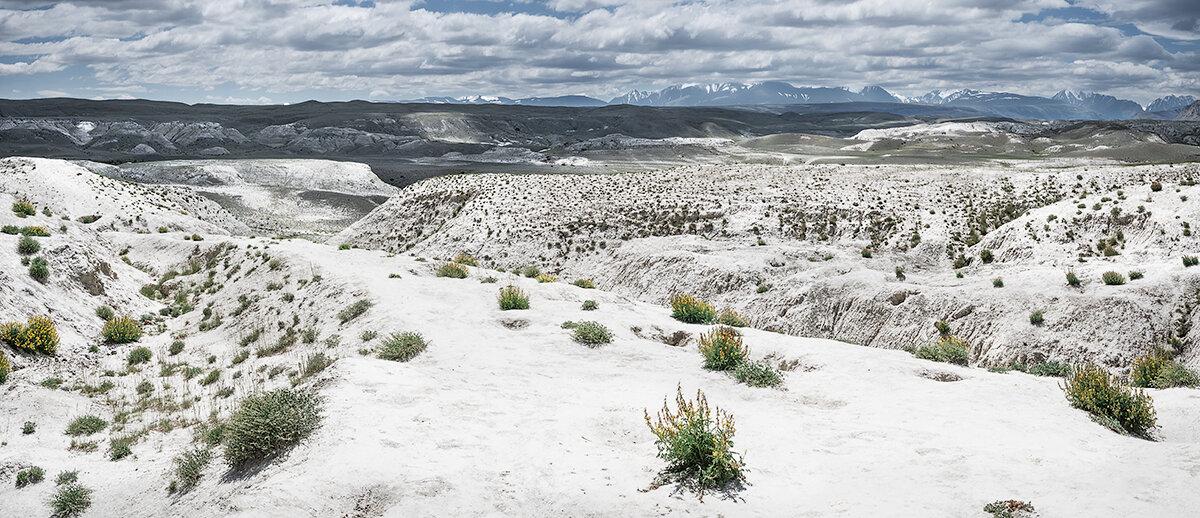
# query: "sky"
287, 51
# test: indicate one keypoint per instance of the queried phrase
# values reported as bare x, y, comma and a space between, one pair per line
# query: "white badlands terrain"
504, 415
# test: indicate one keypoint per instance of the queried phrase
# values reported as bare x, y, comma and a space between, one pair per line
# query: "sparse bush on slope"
948, 350
401, 347
39, 269
511, 297
23, 209
38, 334
31, 475
696, 441
85, 425
121, 330
189, 468
4, 367
466, 260
354, 310
722, 349
1157, 369
28, 246
452, 270
590, 333
1110, 401
688, 309
731, 318
266, 424
757, 374
70, 500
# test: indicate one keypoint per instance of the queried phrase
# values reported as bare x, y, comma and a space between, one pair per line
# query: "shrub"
1008, 508
591, 333
265, 425
531, 272
119, 447
757, 374
686, 308
28, 428
139, 355
35, 231
1135, 275
212, 377
121, 330
452, 270
731, 318
105, 313
4, 367
696, 441
489, 280
511, 297
545, 277
23, 208
354, 310
38, 334
589, 305
585, 284
1190, 260
722, 348
189, 467
465, 260
1156, 186
28, 246
31, 475
1156, 369
1092, 389
1072, 279
9, 229
70, 500
998, 282
866, 253
1049, 368
948, 350
763, 288
66, 477
1036, 318
368, 335
39, 269
344, 246
961, 261
401, 347
942, 327
986, 256
1175, 375
176, 347
85, 425
145, 387
1113, 278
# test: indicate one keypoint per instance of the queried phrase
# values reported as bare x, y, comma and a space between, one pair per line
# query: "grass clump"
531, 272
28, 246
176, 347
85, 425
731, 318
757, 374
947, 350
1110, 401
1157, 369
696, 441
1036, 318
23, 208
722, 349
66, 477
354, 310
1049, 368
266, 424
70, 500
1190, 261
5, 366
189, 468
452, 270
511, 297
585, 284
105, 313
139, 355
688, 309
121, 330
591, 333
1008, 509
1113, 278
545, 277
589, 305
942, 327
465, 260
119, 447
401, 347
31, 475
39, 269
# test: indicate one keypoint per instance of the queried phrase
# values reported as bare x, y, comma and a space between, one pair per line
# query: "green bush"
139, 355
986, 256
465, 260
121, 330
688, 309
23, 208
1135, 275
212, 377
67, 477
1050, 368
511, 297
589, 305
105, 313
176, 347
531, 272
696, 441
1175, 375
265, 425
85, 425
1156, 369
28, 246
401, 347
942, 327
998, 282
586, 284
722, 348
28, 428
70, 500
1107, 398
948, 350
452, 270
757, 374
119, 447
1113, 278
39, 269
5, 366
354, 310
31, 475
591, 333
731, 318
189, 467
1190, 260
1036, 318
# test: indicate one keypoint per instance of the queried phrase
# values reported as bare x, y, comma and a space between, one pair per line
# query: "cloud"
606, 47
52, 93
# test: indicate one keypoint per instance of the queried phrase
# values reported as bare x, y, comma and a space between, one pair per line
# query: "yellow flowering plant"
697, 442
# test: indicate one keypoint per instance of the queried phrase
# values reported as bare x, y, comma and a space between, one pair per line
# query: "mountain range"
1065, 105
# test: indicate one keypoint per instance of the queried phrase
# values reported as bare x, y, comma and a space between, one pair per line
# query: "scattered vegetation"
696, 441
1036, 318
39, 269
1008, 509
1157, 369
465, 259
948, 349
105, 313
401, 347
731, 318
589, 305
31, 475
28, 246
189, 468
511, 297
23, 209
1190, 260
585, 284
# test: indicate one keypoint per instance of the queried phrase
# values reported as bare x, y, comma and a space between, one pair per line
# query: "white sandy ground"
496, 420
492, 421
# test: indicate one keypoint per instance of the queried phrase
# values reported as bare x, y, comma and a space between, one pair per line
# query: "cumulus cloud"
412, 48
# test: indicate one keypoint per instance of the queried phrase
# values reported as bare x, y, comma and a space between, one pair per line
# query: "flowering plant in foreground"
696, 441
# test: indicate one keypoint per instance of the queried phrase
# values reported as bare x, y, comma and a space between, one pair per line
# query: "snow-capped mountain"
1106, 106
734, 94
1190, 112
1170, 102
564, 100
